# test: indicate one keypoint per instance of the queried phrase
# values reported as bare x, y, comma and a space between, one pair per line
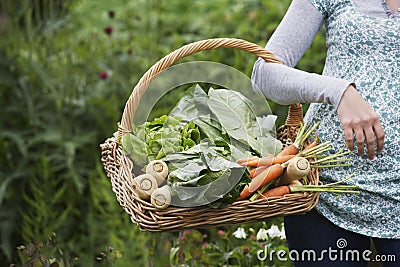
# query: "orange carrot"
292, 149
244, 193
267, 175
302, 134
311, 145
267, 161
254, 172
240, 161
332, 188
276, 192
268, 155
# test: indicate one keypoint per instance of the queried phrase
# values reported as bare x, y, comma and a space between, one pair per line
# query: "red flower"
245, 250
108, 30
103, 75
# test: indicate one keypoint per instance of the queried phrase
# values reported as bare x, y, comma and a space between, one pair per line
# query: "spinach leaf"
237, 116
193, 107
234, 112
134, 145
203, 174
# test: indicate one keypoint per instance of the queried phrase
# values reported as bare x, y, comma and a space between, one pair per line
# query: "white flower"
283, 235
240, 233
262, 234
275, 232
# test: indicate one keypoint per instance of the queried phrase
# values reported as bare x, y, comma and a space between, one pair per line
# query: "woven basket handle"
131, 105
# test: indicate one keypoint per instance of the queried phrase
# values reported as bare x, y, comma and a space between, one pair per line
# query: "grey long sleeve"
283, 83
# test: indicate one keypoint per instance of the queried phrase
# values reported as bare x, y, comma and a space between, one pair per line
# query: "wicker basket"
119, 167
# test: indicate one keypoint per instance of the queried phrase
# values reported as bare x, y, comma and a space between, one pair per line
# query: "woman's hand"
359, 120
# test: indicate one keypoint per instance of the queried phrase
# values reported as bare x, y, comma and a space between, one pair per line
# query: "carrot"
244, 193
267, 161
276, 192
301, 136
240, 161
311, 145
268, 155
331, 188
254, 172
269, 174
292, 149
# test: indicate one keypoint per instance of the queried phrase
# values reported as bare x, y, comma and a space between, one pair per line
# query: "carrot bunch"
271, 174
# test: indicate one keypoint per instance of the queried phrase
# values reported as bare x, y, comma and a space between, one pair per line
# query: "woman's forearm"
286, 85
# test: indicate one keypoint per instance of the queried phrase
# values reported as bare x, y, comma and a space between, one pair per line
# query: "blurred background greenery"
66, 70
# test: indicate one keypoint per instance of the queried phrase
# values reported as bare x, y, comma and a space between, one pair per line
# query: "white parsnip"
297, 168
145, 184
161, 197
158, 169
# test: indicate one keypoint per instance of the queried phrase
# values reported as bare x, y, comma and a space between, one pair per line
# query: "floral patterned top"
364, 49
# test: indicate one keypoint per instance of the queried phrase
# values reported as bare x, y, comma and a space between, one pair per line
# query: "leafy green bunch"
164, 135
201, 140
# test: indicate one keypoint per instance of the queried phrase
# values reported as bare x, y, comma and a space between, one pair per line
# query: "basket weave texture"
119, 167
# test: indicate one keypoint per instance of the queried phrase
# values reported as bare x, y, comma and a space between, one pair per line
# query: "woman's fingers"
349, 135
360, 122
364, 135
370, 140
359, 134
380, 136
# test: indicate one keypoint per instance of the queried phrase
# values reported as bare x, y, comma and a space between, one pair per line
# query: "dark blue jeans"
315, 241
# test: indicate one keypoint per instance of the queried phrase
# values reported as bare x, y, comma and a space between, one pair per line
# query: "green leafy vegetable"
200, 140
162, 136
202, 175
193, 106
236, 115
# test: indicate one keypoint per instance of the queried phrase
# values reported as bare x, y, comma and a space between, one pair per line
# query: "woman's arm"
286, 85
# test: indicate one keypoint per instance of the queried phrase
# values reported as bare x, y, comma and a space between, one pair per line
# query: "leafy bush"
67, 68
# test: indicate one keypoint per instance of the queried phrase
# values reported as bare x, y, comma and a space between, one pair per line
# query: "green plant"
47, 254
